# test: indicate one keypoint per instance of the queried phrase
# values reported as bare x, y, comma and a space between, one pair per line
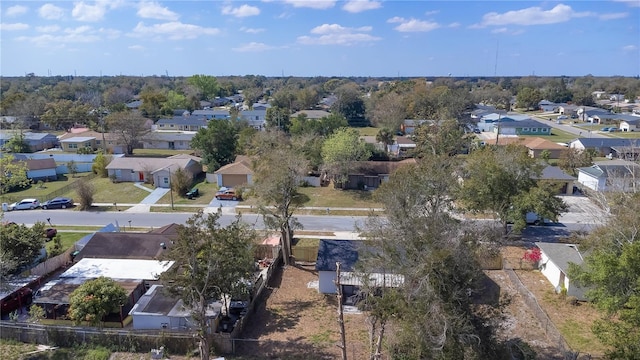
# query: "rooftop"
117, 269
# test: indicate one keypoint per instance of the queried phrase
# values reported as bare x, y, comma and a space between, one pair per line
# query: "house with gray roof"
612, 175
167, 140
36, 141
182, 123
555, 175
254, 118
630, 123
157, 171
521, 127
554, 265
602, 146
212, 114
610, 118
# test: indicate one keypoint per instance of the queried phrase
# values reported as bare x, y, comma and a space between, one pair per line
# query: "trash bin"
5, 207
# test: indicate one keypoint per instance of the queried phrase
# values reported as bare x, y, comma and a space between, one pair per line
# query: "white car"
25, 204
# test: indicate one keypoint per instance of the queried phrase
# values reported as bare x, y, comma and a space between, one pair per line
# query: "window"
73, 146
525, 129
87, 144
534, 129
165, 181
544, 130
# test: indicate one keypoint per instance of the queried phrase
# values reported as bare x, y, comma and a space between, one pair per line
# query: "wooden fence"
52, 264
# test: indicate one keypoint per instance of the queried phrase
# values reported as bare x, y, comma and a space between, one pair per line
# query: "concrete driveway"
582, 210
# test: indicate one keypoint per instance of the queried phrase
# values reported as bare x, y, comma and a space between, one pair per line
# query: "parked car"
25, 204
613, 129
477, 131
227, 194
562, 117
605, 129
57, 203
193, 193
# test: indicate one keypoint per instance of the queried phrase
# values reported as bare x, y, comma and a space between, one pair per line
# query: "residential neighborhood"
212, 220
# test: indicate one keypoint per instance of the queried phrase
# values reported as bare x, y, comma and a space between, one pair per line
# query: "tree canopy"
212, 263
129, 126
20, 246
217, 143
340, 150
13, 175
95, 299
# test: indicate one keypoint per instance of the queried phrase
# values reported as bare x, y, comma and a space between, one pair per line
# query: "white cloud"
252, 47
174, 30
532, 16
14, 27
613, 16
89, 13
48, 29
313, 4
632, 3
82, 34
50, 12
454, 25
16, 10
630, 48
251, 30
334, 34
432, 12
499, 30
413, 25
110, 33
241, 11
356, 6
153, 10
396, 19
136, 47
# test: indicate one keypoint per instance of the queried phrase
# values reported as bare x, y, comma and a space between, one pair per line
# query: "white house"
554, 265
155, 310
614, 175
630, 125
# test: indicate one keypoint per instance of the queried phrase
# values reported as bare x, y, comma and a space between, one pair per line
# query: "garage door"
230, 180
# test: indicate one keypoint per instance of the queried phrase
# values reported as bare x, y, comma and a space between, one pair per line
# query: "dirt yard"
297, 322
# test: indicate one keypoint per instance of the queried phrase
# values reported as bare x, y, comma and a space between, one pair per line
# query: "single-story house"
371, 174
402, 147
72, 141
409, 126
521, 127
347, 253
211, 114
151, 170
547, 106
602, 146
167, 140
488, 122
613, 175
554, 265
182, 123
157, 310
568, 109
610, 118
312, 114
41, 169
254, 118
235, 174
536, 146
36, 141
630, 124
554, 174
125, 245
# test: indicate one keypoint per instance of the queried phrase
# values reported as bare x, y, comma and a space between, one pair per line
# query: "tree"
212, 263
129, 127
13, 174
36, 314
389, 111
99, 165
340, 151
277, 191
442, 138
95, 299
73, 168
572, 159
152, 102
64, 114
528, 98
278, 118
17, 144
217, 144
610, 272
181, 182
431, 310
502, 180
207, 85
20, 246
85, 191
385, 136
350, 105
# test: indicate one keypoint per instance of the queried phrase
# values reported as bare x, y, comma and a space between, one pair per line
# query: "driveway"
582, 210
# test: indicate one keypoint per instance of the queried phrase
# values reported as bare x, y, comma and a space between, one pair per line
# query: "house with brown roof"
41, 169
72, 141
536, 146
235, 174
156, 171
369, 175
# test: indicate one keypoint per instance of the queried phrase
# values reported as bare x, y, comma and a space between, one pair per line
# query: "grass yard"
15, 350
159, 152
368, 131
109, 192
330, 197
207, 192
67, 239
626, 135
34, 191
556, 136
176, 208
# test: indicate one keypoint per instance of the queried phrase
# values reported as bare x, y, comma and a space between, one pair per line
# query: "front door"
141, 176
172, 145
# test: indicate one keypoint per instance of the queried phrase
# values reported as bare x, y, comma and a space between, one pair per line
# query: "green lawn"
109, 192
35, 191
626, 135
67, 239
158, 152
15, 350
207, 192
330, 197
368, 131
556, 136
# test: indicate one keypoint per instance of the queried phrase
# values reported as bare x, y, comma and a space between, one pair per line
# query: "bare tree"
130, 127
85, 191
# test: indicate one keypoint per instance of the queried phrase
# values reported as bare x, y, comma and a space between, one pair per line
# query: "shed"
554, 265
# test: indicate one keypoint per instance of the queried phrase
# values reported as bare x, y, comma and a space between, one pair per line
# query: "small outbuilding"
554, 265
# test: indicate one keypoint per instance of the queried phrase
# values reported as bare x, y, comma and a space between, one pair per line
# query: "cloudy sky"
320, 38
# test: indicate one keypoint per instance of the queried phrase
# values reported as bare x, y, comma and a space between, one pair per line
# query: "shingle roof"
561, 254
169, 136
343, 251
40, 164
236, 168
312, 114
145, 164
555, 173
608, 142
523, 124
184, 121
125, 245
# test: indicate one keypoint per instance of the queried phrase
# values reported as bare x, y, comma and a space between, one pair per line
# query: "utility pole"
343, 340
170, 187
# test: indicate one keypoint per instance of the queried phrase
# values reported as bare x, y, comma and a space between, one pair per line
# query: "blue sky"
320, 38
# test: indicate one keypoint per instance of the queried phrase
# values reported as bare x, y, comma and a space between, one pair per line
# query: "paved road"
570, 129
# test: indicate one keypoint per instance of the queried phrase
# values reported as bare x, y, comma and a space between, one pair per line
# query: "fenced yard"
46, 190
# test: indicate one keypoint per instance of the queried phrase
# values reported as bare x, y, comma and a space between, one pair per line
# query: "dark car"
193, 193
57, 203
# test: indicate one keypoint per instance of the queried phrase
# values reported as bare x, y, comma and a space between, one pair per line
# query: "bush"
99, 165
85, 192
181, 182
98, 353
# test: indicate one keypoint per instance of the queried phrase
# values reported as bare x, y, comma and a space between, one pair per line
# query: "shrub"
99, 165
533, 255
181, 182
98, 353
85, 192
572, 300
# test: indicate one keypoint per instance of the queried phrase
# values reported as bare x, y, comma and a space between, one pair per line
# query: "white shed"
554, 265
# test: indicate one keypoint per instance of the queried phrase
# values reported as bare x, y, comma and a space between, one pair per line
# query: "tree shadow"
291, 349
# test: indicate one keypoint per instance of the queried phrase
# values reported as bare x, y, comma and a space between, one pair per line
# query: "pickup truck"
193, 193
